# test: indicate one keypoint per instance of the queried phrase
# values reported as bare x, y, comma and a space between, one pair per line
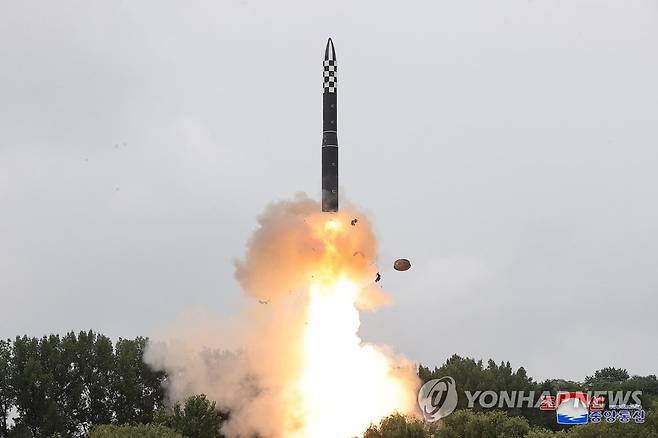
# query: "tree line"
62, 386
83, 384
473, 375
467, 423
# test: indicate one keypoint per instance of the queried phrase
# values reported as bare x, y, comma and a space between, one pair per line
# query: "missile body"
329, 132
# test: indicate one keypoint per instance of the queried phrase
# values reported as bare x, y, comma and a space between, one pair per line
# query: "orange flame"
345, 384
302, 370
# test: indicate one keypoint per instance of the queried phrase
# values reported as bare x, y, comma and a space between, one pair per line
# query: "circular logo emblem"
438, 398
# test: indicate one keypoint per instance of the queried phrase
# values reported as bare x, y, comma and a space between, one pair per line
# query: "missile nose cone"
330, 69
330, 52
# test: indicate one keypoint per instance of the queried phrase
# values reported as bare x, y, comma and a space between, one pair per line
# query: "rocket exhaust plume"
292, 365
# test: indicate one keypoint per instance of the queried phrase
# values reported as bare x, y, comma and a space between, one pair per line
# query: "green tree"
95, 363
7, 397
545, 433
137, 431
40, 374
64, 386
138, 389
28, 373
471, 375
68, 382
608, 375
20, 431
649, 429
400, 426
60, 389
198, 417
487, 424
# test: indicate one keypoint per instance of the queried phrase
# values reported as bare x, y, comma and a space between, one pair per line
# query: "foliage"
545, 433
138, 431
608, 375
198, 417
495, 424
462, 423
20, 431
471, 375
488, 424
62, 386
649, 429
137, 388
7, 396
399, 426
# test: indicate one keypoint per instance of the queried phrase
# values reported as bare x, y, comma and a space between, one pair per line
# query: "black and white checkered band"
330, 81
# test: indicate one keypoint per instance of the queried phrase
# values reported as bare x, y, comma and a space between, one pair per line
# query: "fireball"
300, 369
345, 384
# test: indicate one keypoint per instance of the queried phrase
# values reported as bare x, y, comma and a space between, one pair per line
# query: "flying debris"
378, 277
401, 265
264, 301
329, 132
354, 221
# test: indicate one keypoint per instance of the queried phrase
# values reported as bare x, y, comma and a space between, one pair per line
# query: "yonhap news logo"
438, 398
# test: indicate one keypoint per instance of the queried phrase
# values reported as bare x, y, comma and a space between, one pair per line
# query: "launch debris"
378, 277
354, 221
401, 265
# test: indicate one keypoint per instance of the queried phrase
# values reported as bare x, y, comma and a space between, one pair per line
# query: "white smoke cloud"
251, 365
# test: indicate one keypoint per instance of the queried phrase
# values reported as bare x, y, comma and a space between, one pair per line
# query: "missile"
329, 131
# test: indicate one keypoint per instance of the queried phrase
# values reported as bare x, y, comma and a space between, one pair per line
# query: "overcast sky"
509, 149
